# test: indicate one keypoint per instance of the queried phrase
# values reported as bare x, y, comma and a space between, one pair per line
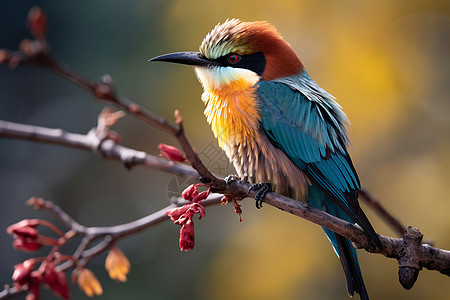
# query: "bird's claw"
263, 189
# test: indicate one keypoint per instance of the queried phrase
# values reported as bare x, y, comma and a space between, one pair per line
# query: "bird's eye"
233, 58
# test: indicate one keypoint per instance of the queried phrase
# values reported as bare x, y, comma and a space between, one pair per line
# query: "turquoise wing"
309, 133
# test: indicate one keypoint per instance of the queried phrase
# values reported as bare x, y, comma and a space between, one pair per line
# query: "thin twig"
393, 222
10, 293
112, 234
107, 148
105, 90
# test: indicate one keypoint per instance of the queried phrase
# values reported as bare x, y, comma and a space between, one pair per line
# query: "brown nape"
281, 60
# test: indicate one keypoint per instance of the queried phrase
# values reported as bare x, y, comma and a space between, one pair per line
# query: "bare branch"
395, 224
105, 90
91, 142
110, 149
45, 135
10, 293
111, 234
424, 255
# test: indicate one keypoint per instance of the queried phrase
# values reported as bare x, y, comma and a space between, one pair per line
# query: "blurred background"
387, 62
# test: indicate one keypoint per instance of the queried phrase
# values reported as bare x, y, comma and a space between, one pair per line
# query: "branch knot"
105, 89
409, 266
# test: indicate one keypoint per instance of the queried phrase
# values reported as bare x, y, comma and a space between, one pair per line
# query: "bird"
278, 127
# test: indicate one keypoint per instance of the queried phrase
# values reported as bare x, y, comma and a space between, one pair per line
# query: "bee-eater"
278, 126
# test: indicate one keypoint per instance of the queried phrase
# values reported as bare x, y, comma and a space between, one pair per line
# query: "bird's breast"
234, 117
233, 114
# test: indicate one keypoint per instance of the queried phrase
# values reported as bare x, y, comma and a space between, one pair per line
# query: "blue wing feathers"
345, 180
326, 168
308, 126
300, 131
312, 134
348, 171
342, 183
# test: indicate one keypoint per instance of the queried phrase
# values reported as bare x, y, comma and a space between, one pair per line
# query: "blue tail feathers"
342, 246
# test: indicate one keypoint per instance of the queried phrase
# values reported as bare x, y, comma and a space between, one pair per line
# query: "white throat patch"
213, 78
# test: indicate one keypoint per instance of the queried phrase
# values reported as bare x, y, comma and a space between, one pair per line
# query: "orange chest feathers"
233, 115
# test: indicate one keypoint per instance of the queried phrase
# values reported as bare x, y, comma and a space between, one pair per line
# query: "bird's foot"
262, 188
231, 178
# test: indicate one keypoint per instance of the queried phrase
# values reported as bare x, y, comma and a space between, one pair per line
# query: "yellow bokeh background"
374, 57
386, 62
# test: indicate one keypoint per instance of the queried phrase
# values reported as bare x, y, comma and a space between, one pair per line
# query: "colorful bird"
278, 126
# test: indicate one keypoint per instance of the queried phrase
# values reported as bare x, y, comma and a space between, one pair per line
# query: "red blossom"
27, 223
35, 284
190, 192
202, 196
32, 285
197, 208
37, 22
26, 245
56, 280
171, 153
5, 56
187, 240
25, 235
25, 232
22, 273
177, 212
183, 215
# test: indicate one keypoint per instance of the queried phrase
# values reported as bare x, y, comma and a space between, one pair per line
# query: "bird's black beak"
186, 58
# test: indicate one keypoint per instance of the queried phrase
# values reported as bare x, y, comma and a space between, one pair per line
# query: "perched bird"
278, 126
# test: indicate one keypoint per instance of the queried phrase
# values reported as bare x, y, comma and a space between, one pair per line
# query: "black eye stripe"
255, 62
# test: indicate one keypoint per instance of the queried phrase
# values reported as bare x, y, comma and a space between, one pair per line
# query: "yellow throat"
231, 107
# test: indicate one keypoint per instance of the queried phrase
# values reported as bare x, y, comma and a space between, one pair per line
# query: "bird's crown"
232, 36
246, 38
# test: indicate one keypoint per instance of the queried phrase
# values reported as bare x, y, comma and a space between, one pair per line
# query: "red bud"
183, 216
37, 22
190, 192
56, 280
34, 289
25, 235
23, 227
26, 245
171, 153
187, 239
22, 272
5, 56
202, 196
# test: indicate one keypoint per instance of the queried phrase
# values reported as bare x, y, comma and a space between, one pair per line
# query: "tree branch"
11, 292
429, 256
392, 221
411, 254
39, 54
109, 234
93, 142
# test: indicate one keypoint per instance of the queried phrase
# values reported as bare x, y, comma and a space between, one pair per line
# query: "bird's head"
239, 54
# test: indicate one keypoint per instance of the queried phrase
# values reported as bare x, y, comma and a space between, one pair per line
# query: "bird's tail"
342, 246
349, 260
